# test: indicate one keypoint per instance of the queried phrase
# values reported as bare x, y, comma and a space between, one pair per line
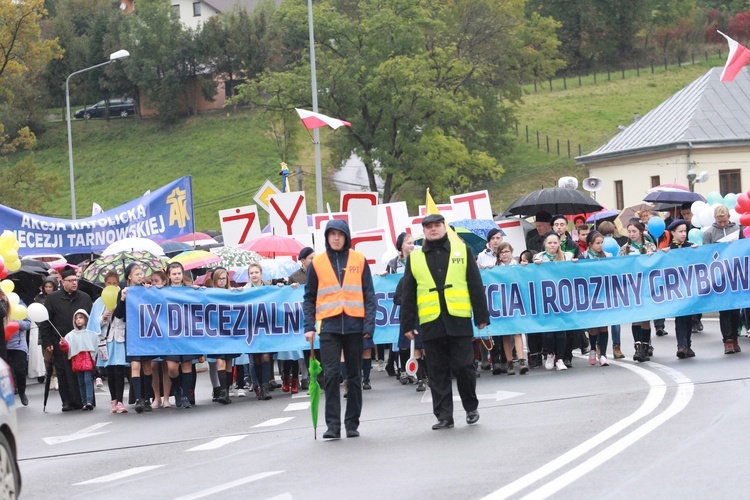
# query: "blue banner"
534, 298
164, 213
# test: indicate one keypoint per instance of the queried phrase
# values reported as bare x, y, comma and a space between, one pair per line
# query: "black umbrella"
27, 281
93, 290
555, 201
676, 196
49, 366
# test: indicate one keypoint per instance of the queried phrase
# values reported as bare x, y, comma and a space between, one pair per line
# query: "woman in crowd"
555, 342
404, 245
683, 325
134, 277
639, 244
179, 367
220, 279
261, 361
111, 346
598, 336
158, 365
505, 258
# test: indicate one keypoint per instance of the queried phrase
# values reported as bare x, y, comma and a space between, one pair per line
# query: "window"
655, 181
730, 181
176, 9
196, 9
619, 198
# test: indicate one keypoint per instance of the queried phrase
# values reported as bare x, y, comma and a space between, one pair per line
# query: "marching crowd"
85, 341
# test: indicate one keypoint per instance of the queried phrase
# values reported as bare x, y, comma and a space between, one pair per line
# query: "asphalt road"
664, 429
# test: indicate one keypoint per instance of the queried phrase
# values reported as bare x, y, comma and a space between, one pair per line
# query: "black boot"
639, 353
223, 397
264, 394
216, 394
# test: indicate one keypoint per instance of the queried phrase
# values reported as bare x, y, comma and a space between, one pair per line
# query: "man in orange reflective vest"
339, 293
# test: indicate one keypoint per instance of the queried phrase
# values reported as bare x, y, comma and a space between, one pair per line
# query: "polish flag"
315, 120
739, 56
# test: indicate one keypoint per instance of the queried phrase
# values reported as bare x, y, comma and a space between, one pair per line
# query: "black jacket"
341, 323
437, 254
61, 306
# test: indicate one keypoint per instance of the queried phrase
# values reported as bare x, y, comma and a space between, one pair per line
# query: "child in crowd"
82, 349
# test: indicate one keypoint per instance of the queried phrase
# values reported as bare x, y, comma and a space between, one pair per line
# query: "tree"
428, 86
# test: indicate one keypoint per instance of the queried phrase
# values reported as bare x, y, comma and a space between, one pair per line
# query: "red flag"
315, 120
739, 56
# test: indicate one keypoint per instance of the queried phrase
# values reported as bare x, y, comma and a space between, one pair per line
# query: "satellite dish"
592, 184
702, 177
123, 6
567, 183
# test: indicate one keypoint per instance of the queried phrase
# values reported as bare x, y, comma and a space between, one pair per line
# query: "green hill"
231, 155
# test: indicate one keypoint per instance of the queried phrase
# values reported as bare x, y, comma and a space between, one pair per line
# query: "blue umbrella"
610, 215
480, 227
272, 270
676, 196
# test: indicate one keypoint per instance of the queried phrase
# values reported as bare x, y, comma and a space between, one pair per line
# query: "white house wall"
186, 13
671, 167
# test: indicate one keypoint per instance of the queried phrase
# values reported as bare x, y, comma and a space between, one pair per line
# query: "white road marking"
119, 475
682, 398
274, 421
656, 394
498, 396
297, 406
217, 443
83, 433
228, 486
300, 395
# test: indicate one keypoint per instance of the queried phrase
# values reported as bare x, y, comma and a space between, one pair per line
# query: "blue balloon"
714, 197
656, 227
695, 236
610, 245
730, 200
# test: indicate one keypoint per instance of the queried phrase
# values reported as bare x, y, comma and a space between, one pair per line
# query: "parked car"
118, 106
10, 475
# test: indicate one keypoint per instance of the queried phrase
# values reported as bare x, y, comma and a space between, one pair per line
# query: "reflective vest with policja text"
455, 291
335, 298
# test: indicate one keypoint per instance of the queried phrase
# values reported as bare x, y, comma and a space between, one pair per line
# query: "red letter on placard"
363, 239
288, 221
250, 219
470, 198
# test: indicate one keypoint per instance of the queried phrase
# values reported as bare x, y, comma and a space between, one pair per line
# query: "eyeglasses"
71, 280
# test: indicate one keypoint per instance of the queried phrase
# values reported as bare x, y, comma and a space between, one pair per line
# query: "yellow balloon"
18, 313
9, 254
13, 266
7, 286
13, 298
109, 296
7, 239
16, 246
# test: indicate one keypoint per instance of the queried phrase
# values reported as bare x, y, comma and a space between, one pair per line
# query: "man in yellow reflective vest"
339, 293
441, 288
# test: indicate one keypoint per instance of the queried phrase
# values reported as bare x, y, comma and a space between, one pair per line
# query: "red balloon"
743, 204
745, 219
3, 272
10, 329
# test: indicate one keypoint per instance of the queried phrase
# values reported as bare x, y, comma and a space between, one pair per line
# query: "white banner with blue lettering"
165, 213
534, 298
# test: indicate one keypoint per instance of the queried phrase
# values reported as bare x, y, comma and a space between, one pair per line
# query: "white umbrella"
133, 244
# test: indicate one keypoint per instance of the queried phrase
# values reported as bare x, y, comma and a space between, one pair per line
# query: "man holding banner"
442, 286
340, 294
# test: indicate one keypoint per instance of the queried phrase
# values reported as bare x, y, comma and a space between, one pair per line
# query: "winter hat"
67, 271
305, 253
543, 216
493, 232
676, 223
432, 218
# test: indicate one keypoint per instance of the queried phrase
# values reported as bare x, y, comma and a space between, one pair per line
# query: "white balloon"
734, 216
13, 298
37, 313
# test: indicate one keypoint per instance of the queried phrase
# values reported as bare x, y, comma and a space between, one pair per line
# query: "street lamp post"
316, 133
112, 58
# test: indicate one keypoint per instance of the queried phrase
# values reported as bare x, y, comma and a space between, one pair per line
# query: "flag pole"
316, 132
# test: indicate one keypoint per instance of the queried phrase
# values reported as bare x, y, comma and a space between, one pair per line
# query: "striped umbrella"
193, 259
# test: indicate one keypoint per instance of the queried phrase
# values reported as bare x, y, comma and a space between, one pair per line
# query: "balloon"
7, 239
610, 245
7, 286
697, 206
2, 260
743, 203
730, 200
16, 246
37, 312
746, 232
745, 219
714, 197
3, 272
11, 328
18, 312
734, 216
656, 227
109, 296
13, 298
9, 254
695, 236
13, 266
